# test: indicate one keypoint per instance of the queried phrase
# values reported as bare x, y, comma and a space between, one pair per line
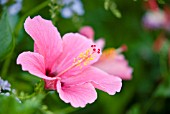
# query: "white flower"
5, 94
77, 7
2, 2
72, 7
66, 12
4, 85
154, 19
15, 8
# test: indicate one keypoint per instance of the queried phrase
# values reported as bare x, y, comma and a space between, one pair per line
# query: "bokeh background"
147, 92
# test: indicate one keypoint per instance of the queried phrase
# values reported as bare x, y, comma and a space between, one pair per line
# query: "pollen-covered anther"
85, 58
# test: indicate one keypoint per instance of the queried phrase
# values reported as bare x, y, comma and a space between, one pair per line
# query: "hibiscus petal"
73, 46
87, 31
33, 63
78, 95
100, 79
36, 48
47, 38
116, 65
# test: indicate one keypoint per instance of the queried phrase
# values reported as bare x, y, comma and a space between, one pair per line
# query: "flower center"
83, 59
48, 73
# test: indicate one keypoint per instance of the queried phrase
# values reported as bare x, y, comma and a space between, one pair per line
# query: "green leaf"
163, 91
7, 102
10, 105
107, 4
6, 39
115, 11
135, 109
161, 1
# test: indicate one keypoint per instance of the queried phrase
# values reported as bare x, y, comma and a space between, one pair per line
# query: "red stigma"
93, 45
98, 51
94, 49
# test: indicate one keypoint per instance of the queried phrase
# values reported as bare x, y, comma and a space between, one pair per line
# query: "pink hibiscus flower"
111, 61
65, 64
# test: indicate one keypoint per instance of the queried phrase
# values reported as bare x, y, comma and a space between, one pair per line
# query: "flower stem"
6, 65
54, 10
164, 62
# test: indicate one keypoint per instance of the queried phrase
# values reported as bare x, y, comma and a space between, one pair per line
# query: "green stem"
163, 57
6, 65
149, 104
26, 97
169, 61
163, 62
54, 10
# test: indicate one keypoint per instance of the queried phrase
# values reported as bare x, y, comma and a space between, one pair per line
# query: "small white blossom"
2, 2
5, 94
72, 7
154, 19
77, 7
4, 85
66, 12
15, 8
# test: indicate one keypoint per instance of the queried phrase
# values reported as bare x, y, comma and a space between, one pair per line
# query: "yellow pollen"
111, 52
83, 58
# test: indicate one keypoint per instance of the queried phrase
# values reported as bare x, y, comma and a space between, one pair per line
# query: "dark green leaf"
135, 109
163, 91
6, 40
115, 11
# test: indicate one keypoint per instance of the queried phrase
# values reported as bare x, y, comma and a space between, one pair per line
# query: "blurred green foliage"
148, 91
5, 37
